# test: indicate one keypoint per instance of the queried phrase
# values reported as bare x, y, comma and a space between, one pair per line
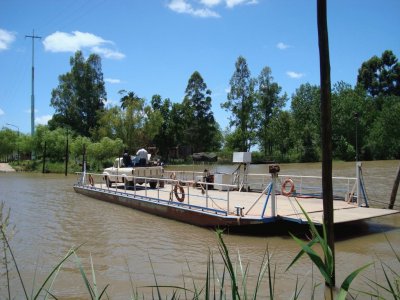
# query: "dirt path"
4, 167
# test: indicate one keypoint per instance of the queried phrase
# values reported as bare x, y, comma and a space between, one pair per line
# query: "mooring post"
273, 170
358, 168
394, 190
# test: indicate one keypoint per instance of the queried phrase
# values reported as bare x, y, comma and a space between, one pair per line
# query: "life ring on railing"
284, 190
181, 190
91, 181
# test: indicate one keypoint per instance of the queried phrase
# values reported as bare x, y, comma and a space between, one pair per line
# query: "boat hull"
172, 210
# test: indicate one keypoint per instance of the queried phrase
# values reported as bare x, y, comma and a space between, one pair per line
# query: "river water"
127, 245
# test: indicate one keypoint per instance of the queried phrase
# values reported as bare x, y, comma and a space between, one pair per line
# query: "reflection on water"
51, 218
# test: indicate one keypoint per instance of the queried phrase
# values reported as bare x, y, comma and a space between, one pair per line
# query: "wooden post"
66, 156
326, 127
44, 158
395, 188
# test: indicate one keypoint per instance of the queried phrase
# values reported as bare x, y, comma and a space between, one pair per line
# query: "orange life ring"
284, 191
181, 190
91, 181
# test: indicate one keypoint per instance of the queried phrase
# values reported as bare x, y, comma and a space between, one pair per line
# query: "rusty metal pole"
326, 126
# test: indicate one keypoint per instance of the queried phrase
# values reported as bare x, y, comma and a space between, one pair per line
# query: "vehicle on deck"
132, 173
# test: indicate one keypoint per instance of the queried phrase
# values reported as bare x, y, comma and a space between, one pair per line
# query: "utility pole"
33, 37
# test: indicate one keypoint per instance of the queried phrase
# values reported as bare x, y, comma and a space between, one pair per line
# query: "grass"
229, 281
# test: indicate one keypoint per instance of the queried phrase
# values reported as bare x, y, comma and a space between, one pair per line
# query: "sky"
154, 46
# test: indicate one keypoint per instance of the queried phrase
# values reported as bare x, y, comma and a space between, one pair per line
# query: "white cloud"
204, 11
6, 39
43, 120
108, 53
66, 42
282, 46
112, 80
1, 112
233, 3
183, 7
210, 3
295, 75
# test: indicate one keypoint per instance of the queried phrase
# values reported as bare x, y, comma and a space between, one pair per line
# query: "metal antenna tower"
33, 37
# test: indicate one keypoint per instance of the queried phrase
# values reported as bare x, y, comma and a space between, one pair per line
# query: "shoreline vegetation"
232, 282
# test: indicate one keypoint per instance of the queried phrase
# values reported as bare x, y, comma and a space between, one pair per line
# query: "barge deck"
213, 205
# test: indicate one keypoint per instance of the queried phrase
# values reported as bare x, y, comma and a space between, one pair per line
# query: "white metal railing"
304, 186
220, 203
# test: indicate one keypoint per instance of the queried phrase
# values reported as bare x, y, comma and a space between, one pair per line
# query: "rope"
203, 191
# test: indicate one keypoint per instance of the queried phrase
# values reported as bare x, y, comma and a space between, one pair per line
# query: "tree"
380, 76
350, 108
240, 103
306, 116
200, 126
107, 149
383, 140
281, 125
163, 140
8, 141
269, 104
80, 95
132, 120
53, 140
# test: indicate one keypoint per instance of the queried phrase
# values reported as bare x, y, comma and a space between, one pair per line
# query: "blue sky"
153, 46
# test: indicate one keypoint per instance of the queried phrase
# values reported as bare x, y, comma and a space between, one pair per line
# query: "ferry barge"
188, 198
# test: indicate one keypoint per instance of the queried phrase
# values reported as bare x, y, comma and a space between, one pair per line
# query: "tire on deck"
108, 182
153, 184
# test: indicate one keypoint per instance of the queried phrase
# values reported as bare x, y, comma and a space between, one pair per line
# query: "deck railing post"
227, 210
206, 195
188, 187
134, 185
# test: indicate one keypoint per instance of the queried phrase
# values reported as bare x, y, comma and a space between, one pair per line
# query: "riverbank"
5, 167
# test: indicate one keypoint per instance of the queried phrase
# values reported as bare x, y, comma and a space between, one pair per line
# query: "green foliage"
80, 95
100, 152
364, 118
306, 121
326, 263
240, 103
8, 141
383, 139
269, 106
380, 75
200, 128
55, 142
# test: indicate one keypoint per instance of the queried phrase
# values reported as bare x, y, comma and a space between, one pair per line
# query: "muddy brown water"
126, 244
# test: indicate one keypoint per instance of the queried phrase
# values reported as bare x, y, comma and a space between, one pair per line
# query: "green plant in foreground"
265, 267
326, 264
47, 283
392, 279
